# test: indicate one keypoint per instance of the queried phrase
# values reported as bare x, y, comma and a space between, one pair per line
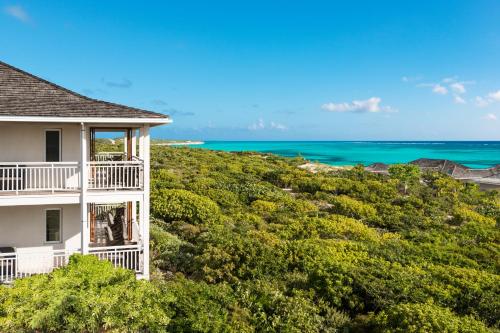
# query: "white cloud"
277, 126
18, 13
260, 124
411, 78
492, 97
495, 96
450, 79
458, 99
450, 85
481, 101
490, 116
257, 125
458, 87
369, 105
439, 89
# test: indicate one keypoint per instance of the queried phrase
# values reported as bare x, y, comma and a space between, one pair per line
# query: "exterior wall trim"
96, 120
40, 199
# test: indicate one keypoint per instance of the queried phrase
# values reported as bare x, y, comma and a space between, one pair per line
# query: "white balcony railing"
110, 156
18, 265
39, 176
31, 177
129, 257
116, 175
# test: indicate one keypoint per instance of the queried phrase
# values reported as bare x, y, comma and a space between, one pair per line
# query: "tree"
407, 174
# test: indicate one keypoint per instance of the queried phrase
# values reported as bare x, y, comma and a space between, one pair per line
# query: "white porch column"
144, 154
134, 142
85, 232
125, 143
134, 153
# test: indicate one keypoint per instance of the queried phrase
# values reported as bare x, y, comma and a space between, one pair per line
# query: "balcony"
115, 175
22, 178
29, 261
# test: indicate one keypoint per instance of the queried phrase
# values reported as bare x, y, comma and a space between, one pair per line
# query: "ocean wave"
398, 143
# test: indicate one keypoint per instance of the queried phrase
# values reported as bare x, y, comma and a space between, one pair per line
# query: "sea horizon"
472, 153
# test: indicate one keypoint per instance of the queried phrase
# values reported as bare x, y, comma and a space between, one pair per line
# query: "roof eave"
94, 120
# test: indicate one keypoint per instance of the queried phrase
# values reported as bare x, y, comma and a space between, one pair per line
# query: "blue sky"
274, 70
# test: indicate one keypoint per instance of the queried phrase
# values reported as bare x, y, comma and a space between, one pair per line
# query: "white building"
59, 193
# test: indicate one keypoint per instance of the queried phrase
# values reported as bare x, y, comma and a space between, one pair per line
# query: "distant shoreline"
478, 155
178, 143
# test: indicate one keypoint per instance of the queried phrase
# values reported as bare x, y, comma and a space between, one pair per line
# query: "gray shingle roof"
25, 95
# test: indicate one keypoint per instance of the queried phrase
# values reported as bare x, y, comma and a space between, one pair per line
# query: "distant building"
487, 178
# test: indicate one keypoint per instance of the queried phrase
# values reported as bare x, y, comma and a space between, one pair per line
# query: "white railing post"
17, 175
52, 177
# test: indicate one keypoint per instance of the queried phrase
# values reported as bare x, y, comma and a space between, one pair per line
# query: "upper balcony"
109, 172
25, 178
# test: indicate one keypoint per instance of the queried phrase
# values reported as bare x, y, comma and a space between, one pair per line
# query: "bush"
407, 174
86, 296
264, 207
463, 215
165, 249
425, 318
200, 307
182, 205
350, 207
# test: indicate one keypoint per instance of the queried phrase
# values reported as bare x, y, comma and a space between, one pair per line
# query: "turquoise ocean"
475, 154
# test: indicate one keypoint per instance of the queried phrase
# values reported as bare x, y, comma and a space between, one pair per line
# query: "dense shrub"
200, 307
182, 205
342, 240
264, 207
244, 242
425, 318
350, 207
86, 296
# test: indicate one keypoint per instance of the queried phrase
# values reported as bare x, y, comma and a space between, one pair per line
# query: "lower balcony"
37, 239
22, 262
24, 178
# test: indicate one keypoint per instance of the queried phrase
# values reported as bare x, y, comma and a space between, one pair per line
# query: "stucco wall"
26, 142
24, 226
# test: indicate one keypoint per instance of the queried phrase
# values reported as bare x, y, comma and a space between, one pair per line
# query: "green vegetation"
244, 242
86, 296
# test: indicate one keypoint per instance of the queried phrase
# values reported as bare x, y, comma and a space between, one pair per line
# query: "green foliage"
86, 296
200, 307
350, 207
165, 249
407, 174
245, 242
182, 205
425, 318
462, 215
359, 242
264, 207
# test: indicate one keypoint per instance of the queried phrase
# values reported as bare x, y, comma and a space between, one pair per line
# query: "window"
53, 225
53, 145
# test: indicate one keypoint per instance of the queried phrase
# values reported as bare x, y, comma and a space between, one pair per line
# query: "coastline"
491, 182
473, 154
314, 167
178, 143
